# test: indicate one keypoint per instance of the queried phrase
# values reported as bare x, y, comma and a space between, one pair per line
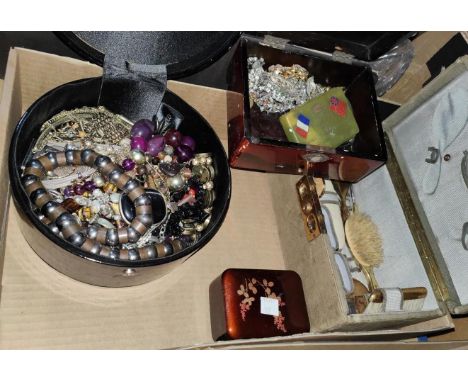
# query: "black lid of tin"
184, 53
366, 46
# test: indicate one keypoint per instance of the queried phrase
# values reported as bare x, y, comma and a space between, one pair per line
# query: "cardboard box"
41, 308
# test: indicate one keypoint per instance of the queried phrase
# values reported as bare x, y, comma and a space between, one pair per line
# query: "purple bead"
173, 137
188, 141
79, 189
156, 145
89, 185
68, 192
138, 143
184, 153
143, 128
128, 164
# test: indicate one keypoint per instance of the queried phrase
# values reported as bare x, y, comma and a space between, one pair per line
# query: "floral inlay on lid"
250, 288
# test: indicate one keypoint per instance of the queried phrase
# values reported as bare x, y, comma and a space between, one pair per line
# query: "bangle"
37, 169
72, 230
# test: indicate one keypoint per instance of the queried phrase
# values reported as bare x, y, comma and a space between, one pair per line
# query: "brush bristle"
364, 239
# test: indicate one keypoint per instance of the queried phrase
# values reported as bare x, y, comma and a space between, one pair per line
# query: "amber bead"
85, 213
70, 205
109, 188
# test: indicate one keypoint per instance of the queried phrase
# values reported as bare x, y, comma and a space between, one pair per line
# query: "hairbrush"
365, 244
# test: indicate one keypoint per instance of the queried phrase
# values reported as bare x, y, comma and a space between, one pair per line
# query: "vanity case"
433, 125
420, 213
256, 138
129, 87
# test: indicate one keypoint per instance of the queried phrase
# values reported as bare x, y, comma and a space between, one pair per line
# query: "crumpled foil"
281, 88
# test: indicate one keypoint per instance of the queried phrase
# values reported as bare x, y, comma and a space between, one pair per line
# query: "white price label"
269, 306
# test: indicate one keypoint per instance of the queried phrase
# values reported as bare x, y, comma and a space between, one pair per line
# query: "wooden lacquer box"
256, 138
253, 303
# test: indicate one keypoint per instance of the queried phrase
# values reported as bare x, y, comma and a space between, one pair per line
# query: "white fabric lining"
446, 209
402, 266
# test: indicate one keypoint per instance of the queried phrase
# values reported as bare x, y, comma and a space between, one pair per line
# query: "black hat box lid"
186, 53
183, 53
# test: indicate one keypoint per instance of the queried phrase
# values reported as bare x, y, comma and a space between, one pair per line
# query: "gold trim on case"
417, 230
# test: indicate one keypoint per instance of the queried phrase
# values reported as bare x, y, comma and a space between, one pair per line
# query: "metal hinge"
343, 57
274, 42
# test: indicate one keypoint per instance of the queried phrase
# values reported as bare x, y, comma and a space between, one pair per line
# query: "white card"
269, 306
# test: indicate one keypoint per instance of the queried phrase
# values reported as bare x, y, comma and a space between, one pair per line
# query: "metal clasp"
434, 155
308, 161
129, 272
274, 42
343, 57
